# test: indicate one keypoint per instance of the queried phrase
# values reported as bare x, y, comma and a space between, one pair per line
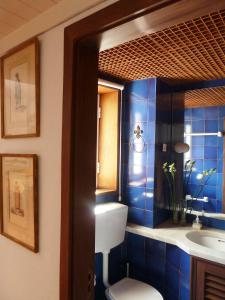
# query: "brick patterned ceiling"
190, 51
205, 97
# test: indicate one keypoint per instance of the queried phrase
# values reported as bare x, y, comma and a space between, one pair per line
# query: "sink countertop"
176, 235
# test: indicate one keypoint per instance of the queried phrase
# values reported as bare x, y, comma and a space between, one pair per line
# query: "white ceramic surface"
209, 240
110, 225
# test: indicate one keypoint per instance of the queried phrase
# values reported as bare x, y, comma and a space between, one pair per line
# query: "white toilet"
110, 226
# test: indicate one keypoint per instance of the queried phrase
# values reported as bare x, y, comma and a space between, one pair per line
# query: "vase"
183, 220
175, 216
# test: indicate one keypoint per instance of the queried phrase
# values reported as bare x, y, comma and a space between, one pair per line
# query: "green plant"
203, 180
170, 173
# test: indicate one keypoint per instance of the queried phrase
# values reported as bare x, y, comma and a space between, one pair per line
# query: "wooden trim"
200, 267
35, 208
20, 47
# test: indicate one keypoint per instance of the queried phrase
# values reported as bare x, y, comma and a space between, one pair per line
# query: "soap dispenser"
197, 224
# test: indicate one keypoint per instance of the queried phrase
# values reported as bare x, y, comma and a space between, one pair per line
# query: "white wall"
23, 274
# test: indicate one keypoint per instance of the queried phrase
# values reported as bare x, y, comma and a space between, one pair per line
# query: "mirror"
204, 124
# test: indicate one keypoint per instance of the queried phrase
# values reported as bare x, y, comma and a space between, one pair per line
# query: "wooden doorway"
81, 48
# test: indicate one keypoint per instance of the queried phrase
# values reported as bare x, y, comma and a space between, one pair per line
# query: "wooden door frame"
81, 44
79, 143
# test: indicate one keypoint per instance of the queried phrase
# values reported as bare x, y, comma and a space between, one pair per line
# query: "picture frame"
20, 91
19, 199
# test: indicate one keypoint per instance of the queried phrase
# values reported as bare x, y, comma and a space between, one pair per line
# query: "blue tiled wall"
139, 109
117, 269
207, 151
143, 106
164, 266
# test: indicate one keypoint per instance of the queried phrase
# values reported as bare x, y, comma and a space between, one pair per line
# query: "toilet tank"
110, 225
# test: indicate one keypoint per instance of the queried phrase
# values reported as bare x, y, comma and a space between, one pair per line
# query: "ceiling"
15, 13
190, 51
205, 97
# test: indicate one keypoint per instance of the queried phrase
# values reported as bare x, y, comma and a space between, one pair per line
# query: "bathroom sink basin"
207, 239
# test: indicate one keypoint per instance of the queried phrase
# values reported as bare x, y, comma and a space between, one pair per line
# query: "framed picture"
20, 89
18, 202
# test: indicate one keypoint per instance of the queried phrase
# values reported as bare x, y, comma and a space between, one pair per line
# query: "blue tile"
211, 113
210, 153
188, 127
136, 241
187, 114
211, 126
184, 289
210, 163
155, 272
136, 216
128, 132
172, 282
211, 141
220, 179
156, 249
139, 88
150, 134
198, 114
219, 207
173, 255
222, 111
135, 157
216, 223
137, 176
197, 205
195, 179
152, 88
210, 206
198, 126
219, 165
220, 151
149, 199
219, 193
212, 180
150, 177
198, 167
197, 152
138, 111
148, 215
197, 140
210, 191
221, 124
151, 155
185, 265
151, 111
135, 197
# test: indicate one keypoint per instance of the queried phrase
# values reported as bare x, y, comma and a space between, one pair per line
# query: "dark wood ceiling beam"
177, 12
200, 85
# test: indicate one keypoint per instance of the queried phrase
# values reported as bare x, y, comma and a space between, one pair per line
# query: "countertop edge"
177, 237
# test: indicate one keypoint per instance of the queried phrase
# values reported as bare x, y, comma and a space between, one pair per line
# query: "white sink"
207, 239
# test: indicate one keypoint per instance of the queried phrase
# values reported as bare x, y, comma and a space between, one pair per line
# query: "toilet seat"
131, 289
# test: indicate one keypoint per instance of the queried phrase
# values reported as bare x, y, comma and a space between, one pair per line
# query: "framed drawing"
18, 202
20, 89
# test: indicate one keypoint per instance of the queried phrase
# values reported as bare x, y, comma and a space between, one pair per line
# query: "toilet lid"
131, 289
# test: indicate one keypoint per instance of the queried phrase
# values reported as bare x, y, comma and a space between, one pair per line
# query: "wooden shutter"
208, 280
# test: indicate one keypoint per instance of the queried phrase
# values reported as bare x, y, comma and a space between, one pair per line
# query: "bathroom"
162, 120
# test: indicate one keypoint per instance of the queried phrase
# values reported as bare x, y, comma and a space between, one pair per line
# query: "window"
108, 139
